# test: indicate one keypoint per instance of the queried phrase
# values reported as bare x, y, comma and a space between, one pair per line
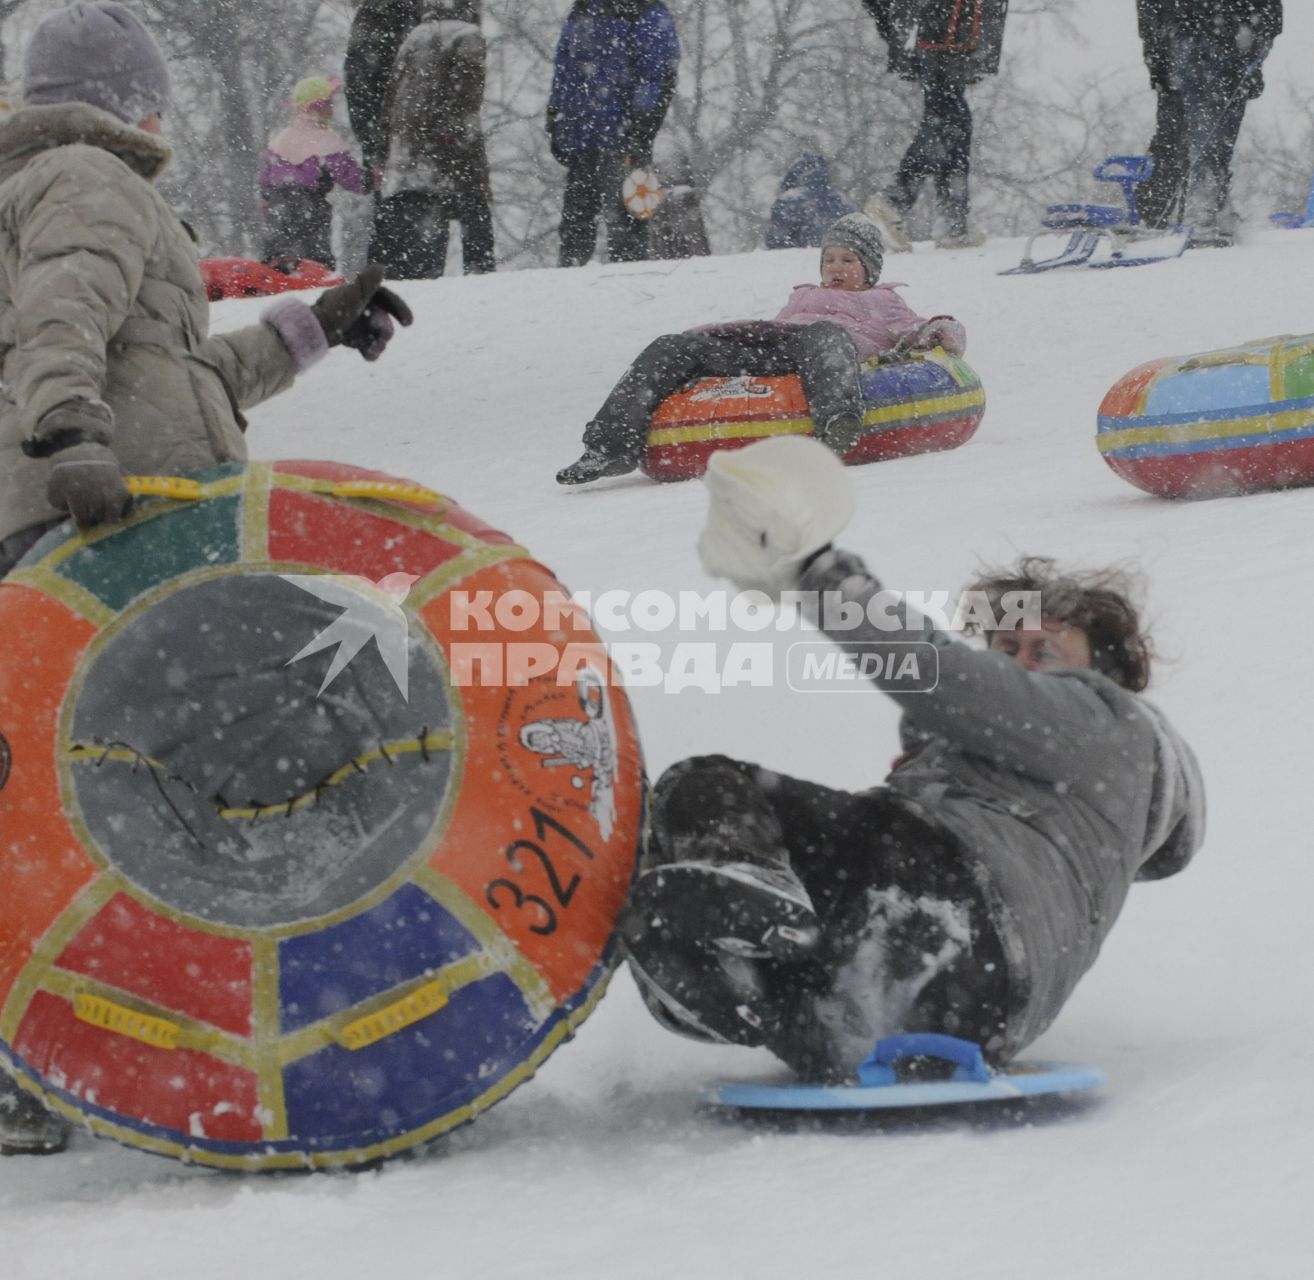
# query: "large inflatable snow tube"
1240, 420
244, 278
923, 403
317, 812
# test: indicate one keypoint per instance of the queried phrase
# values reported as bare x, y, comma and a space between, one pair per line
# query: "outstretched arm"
1040, 724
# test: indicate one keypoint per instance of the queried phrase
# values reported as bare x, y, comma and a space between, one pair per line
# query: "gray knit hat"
858, 232
98, 53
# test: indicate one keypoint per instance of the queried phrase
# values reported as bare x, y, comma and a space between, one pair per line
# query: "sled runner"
887, 1080
1128, 241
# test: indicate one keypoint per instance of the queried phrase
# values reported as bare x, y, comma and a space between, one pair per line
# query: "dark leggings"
298, 224
841, 844
940, 150
823, 355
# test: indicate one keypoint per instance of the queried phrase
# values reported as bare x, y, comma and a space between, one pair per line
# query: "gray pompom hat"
858, 232
98, 53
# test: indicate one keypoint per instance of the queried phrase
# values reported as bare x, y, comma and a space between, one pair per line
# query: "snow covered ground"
1195, 1160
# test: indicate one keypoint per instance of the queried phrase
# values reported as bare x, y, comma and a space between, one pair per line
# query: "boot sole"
28, 1149
728, 912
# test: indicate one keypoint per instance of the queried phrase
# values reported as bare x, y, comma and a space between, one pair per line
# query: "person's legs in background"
1214, 85
581, 207
627, 236
410, 236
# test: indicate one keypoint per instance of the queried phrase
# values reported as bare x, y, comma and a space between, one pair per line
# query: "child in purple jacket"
824, 333
300, 166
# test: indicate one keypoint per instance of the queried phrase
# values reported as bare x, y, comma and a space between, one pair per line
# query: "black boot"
740, 902
842, 432
27, 1126
592, 465
695, 992
610, 449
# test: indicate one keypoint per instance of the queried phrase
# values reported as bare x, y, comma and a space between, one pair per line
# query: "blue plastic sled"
879, 1087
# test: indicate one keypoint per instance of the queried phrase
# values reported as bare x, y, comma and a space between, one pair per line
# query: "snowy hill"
1194, 1162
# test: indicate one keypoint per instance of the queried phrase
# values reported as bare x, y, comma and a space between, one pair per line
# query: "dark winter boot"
842, 432
592, 465
27, 1127
610, 449
1209, 214
880, 958
737, 902
951, 202
694, 992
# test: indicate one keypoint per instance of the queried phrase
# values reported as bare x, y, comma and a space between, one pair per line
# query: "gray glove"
85, 477
359, 314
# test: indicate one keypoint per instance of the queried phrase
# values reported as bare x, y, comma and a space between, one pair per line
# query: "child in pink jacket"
824, 333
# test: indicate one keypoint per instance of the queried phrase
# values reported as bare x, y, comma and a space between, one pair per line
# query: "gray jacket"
101, 298
434, 138
1060, 789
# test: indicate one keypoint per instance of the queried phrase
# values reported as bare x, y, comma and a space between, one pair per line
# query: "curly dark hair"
1099, 601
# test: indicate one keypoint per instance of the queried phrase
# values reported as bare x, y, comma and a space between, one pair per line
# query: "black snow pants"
593, 190
940, 150
845, 847
411, 231
298, 224
822, 354
1200, 110
411, 228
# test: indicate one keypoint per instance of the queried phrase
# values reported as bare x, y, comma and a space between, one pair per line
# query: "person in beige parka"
106, 366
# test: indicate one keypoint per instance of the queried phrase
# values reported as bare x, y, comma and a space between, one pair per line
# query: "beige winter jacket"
100, 298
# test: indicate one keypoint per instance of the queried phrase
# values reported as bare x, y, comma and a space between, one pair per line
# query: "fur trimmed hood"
29, 131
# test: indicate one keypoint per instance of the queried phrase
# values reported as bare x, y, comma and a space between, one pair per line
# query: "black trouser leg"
476, 217
845, 847
1159, 197
410, 236
826, 359
946, 102
620, 427
822, 354
580, 208
1211, 78
627, 236
298, 224
940, 150
471, 205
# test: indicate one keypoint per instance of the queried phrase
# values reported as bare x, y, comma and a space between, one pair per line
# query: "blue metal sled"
1131, 243
880, 1088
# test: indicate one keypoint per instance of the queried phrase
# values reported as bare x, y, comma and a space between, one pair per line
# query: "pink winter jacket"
878, 318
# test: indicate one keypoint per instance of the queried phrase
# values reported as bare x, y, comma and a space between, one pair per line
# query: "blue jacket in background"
806, 206
613, 76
